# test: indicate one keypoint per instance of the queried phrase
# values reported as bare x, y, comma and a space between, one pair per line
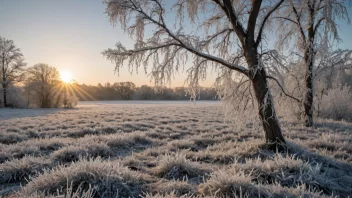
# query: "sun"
66, 76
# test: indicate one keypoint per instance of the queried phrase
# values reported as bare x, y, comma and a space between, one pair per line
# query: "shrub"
336, 103
70, 102
15, 96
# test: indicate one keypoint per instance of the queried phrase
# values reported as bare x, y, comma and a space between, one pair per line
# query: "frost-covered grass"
168, 150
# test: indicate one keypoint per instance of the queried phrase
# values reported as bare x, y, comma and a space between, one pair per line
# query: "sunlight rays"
82, 92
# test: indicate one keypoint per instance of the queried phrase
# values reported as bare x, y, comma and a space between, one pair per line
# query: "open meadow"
165, 149
96, 99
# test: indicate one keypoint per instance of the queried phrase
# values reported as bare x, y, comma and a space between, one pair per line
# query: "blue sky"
71, 34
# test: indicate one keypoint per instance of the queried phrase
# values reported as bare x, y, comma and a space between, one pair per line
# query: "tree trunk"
5, 97
4, 86
308, 96
272, 129
309, 61
267, 114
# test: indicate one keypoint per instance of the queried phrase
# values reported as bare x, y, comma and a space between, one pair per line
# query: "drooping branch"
298, 20
283, 90
318, 24
160, 23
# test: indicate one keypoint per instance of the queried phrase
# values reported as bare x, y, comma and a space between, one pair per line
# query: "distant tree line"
129, 91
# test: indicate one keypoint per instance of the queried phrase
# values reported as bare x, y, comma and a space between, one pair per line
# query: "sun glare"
66, 76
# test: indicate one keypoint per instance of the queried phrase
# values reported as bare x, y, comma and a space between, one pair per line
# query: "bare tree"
44, 81
12, 63
227, 37
312, 24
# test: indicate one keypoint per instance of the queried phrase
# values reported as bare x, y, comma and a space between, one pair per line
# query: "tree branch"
180, 43
282, 89
298, 18
231, 15
259, 37
253, 16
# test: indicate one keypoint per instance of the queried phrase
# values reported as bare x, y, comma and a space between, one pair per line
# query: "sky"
71, 34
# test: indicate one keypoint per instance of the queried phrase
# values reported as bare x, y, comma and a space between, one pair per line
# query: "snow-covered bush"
70, 102
336, 103
15, 97
292, 83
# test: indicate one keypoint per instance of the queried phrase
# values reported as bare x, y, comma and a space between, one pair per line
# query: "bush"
70, 102
15, 97
336, 103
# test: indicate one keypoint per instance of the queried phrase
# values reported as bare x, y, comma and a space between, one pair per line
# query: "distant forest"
129, 91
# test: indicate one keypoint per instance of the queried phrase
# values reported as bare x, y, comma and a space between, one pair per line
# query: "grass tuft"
231, 183
107, 179
69, 154
18, 170
179, 168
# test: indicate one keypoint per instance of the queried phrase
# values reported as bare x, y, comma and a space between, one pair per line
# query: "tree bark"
5, 96
309, 61
308, 96
267, 114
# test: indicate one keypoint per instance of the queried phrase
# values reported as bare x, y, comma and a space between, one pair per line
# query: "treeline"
129, 91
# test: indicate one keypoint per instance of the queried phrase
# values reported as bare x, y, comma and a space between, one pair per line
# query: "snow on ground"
9, 113
166, 149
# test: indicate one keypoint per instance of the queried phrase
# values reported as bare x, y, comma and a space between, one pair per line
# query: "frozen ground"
165, 149
8, 113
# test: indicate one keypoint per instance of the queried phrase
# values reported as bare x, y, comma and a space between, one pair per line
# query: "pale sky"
71, 34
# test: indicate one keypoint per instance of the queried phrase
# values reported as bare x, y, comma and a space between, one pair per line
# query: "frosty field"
166, 149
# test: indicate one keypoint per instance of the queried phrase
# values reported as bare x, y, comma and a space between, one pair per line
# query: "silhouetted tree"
12, 63
44, 81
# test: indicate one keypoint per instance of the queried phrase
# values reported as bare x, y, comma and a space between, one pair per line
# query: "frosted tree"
43, 80
12, 63
332, 80
312, 24
332, 70
220, 35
